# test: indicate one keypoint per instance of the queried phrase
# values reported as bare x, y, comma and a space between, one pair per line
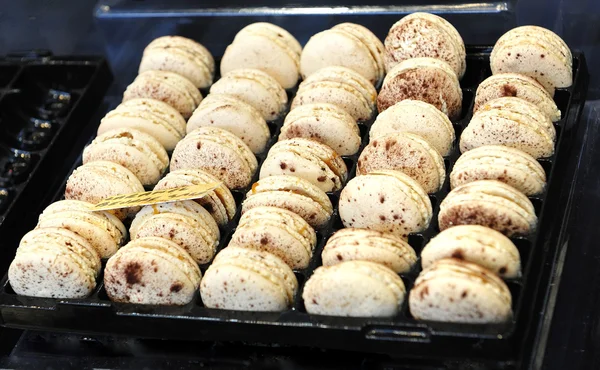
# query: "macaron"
168, 87
182, 56
151, 116
267, 47
54, 262
307, 159
348, 45
294, 194
354, 289
416, 117
256, 88
386, 201
218, 202
496, 162
339, 86
512, 122
152, 271
278, 231
386, 249
218, 152
520, 86
488, 203
536, 52
184, 222
476, 244
248, 280
452, 290
325, 123
232, 114
419, 35
94, 181
102, 230
426, 79
408, 153
135, 150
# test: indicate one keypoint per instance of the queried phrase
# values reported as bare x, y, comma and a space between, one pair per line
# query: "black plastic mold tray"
400, 336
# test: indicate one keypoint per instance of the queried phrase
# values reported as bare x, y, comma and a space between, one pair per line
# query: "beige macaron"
256, 88
520, 86
182, 56
387, 201
477, 244
488, 203
248, 280
536, 52
354, 289
153, 271
307, 159
151, 116
416, 117
339, 86
232, 114
135, 150
294, 194
421, 35
184, 222
496, 162
368, 245
512, 122
452, 290
325, 123
54, 262
218, 202
267, 47
105, 232
278, 231
168, 87
408, 153
94, 181
218, 152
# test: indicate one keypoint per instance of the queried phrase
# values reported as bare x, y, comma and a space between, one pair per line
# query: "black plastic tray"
400, 336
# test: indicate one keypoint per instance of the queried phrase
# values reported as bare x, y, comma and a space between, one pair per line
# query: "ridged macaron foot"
325, 123
488, 203
232, 114
307, 159
153, 271
135, 150
419, 35
497, 162
339, 86
452, 290
218, 152
182, 56
386, 201
267, 47
54, 262
408, 153
416, 117
151, 116
168, 87
386, 249
219, 202
184, 222
256, 88
278, 231
294, 194
105, 232
354, 289
248, 280
427, 79
476, 244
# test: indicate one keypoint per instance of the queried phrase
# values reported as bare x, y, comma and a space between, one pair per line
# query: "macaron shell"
341, 95
371, 41
522, 111
345, 76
